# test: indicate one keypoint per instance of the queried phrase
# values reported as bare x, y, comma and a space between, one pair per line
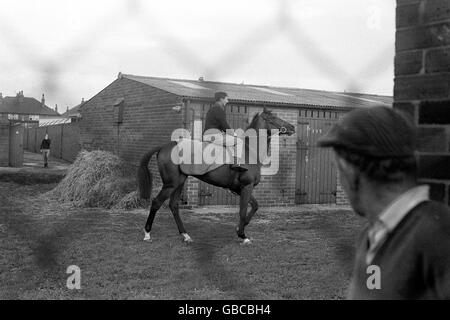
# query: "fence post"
61, 144
25, 136
35, 139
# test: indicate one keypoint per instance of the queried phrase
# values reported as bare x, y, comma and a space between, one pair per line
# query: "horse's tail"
144, 176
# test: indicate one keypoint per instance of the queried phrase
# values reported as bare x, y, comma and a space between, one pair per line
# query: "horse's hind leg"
252, 211
156, 204
245, 196
174, 207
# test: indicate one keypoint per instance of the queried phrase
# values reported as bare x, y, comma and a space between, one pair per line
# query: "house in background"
16, 114
26, 110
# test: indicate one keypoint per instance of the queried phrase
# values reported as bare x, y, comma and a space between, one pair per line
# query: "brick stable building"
135, 113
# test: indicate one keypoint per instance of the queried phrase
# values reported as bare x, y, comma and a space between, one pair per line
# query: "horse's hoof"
246, 241
147, 237
187, 238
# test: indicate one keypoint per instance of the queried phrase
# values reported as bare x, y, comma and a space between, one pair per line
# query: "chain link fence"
290, 20
56, 73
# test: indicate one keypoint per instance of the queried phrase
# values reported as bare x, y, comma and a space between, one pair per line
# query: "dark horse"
241, 183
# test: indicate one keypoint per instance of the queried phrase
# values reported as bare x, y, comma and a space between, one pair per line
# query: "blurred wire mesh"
232, 57
78, 50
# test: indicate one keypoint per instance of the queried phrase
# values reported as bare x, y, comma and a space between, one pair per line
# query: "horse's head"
272, 122
266, 120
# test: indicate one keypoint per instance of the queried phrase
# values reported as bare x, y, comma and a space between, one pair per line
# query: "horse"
240, 183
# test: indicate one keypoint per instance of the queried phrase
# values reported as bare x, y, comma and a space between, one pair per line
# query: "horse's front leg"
246, 193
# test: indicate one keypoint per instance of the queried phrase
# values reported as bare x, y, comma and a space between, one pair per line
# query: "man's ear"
352, 173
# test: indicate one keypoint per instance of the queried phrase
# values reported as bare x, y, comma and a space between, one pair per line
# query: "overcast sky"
69, 49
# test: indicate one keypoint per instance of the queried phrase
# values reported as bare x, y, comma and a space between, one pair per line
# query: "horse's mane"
254, 120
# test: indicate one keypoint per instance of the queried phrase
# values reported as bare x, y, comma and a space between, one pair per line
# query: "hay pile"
99, 179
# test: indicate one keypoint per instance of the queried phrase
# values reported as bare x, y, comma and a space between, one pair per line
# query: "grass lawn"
302, 252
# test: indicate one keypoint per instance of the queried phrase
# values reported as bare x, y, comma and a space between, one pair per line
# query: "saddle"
199, 157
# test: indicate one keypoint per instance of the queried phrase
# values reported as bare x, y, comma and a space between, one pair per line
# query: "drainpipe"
187, 109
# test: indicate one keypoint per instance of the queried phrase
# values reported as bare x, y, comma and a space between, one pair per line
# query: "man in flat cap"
216, 126
404, 250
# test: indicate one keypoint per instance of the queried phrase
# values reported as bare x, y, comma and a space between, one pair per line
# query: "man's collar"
397, 210
391, 216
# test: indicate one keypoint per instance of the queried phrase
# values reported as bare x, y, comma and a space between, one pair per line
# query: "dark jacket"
414, 261
45, 144
216, 119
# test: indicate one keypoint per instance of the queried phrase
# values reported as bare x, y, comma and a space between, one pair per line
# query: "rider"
216, 120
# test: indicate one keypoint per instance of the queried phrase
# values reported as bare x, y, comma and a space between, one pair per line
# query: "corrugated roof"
262, 94
52, 122
24, 105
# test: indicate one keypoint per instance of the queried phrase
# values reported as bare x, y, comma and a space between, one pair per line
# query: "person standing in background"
45, 149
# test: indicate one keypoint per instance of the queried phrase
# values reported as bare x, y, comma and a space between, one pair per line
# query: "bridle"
270, 121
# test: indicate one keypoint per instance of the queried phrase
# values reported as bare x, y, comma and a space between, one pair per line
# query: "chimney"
82, 100
19, 96
201, 79
56, 107
43, 100
67, 109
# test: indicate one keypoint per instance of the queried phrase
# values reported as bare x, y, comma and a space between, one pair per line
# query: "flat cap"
220, 95
379, 132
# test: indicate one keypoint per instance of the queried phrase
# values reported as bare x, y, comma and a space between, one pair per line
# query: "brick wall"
422, 85
4, 141
190, 197
148, 120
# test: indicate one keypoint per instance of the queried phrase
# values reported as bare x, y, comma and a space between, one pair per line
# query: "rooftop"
200, 89
25, 105
75, 111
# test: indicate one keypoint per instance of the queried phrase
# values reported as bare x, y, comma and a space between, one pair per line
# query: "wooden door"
316, 176
16, 133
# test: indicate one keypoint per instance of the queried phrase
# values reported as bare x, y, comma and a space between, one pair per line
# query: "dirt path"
33, 171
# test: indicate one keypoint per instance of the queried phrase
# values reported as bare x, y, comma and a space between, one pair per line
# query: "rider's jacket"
216, 119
